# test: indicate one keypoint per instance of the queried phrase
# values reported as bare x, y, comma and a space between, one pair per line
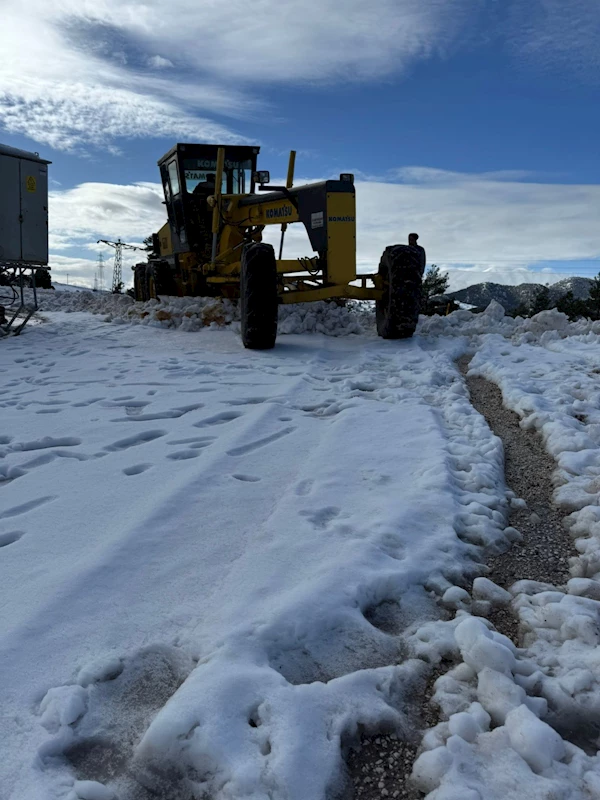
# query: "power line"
119, 246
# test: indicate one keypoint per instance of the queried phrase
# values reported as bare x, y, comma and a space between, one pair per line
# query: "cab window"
174, 178
193, 177
237, 175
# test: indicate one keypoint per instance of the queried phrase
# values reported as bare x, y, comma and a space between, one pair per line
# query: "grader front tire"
258, 296
397, 313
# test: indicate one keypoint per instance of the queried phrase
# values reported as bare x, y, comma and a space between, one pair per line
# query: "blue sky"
472, 121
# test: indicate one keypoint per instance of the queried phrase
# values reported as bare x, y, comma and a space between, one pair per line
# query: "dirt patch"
544, 553
120, 709
381, 766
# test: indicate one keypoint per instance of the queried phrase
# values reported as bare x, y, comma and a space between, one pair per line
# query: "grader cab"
218, 205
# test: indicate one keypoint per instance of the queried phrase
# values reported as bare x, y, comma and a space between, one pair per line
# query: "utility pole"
119, 246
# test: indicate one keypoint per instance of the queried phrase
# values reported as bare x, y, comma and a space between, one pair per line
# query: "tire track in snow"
242, 450
17, 511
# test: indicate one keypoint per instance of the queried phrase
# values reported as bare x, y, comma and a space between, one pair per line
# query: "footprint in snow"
173, 413
304, 487
218, 419
247, 401
321, 518
10, 537
248, 448
136, 469
17, 511
195, 442
183, 455
133, 441
118, 701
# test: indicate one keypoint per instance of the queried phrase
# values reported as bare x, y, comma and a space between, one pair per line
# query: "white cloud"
103, 210
476, 227
78, 271
77, 73
63, 92
75, 115
327, 39
80, 216
437, 176
158, 62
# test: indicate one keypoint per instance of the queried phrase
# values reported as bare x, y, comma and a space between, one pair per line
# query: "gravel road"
381, 767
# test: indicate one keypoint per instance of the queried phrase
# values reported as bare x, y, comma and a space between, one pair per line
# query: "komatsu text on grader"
212, 244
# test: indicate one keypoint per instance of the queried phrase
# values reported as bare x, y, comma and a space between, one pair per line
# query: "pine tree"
542, 301
522, 310
148, 243
435, 282
593, 302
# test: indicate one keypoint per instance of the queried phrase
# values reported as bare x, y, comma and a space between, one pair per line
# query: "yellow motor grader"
218, 205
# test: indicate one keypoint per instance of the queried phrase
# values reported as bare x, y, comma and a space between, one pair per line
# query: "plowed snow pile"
220, 566
195, 313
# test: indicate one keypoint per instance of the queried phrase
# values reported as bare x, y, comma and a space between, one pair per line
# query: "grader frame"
216, 217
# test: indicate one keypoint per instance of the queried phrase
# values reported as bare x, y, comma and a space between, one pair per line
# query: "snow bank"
506, 708
80, 300
543, 699
195, 313
542, 328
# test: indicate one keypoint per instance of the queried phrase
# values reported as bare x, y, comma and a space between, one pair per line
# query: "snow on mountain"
481, 294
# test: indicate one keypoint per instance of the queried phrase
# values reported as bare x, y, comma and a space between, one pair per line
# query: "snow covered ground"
219, 566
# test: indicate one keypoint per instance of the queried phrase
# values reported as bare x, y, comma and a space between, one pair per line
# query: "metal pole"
217, 205
35, 300
291, 165
289, 183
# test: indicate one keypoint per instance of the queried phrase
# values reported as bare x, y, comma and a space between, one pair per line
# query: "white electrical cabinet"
23, 207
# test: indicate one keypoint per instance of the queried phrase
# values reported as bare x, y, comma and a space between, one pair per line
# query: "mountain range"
481, 294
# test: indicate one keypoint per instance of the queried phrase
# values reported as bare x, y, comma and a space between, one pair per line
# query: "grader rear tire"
139, 283
159, 280
258, 296
401, 273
